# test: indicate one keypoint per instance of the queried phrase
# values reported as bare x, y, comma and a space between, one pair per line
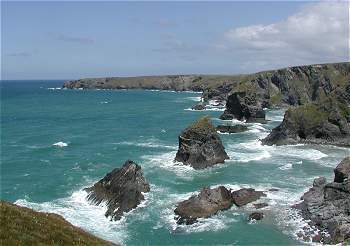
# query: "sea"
55, 142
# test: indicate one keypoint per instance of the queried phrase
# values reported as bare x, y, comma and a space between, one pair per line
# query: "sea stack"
325, 122
200, 145
327, 206
121, 189
244, 106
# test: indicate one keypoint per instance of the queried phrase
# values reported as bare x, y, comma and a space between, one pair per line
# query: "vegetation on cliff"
24, 226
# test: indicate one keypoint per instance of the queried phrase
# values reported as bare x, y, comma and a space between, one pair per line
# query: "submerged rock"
246, 195
260, 205
256, 216
325, 122
121, 189
327, 206
200, 145
244, 105
207, 203
231, 129
199, 106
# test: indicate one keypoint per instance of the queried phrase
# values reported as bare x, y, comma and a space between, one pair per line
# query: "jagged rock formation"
200, 145
207, 203
244, 105
121, 189
327, 206
24, 226
325, 122
231, 129
199, 106
246, 195
210, 201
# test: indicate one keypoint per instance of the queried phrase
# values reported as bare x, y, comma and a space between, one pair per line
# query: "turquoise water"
103, 128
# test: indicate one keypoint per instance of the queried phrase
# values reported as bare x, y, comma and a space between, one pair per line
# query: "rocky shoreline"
319, 96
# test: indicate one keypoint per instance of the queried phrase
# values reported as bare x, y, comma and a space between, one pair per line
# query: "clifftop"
24, 226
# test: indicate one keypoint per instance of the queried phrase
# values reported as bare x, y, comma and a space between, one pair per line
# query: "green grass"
203, 123
24, 226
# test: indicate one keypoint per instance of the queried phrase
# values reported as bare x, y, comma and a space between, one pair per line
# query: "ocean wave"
60, 144
149, 144
54, 88
78, 211
166, 162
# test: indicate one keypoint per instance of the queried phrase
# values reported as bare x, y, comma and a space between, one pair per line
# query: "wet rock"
207, 203
273, 189
256, 216
121, 189
327, 206
200, 145
260, 205
199, 106
342, 171
231, 129
246, 195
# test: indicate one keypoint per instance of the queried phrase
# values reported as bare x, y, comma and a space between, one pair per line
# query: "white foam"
149, 144
167, 163
54, 88
104, 102
60, 144
286, 166
78, 211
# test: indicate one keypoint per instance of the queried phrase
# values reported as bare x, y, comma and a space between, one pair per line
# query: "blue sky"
67, 40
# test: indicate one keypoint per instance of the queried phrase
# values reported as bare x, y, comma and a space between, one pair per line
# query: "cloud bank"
318, 33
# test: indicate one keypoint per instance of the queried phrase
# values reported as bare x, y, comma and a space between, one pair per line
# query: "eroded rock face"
324, 122
256, 216
207, 203
244, 105
121, 189
246, 195
327, 206
200, 145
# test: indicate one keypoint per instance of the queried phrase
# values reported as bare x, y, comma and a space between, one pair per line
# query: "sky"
70, 40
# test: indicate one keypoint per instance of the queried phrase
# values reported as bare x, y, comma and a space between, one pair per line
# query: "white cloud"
319, 32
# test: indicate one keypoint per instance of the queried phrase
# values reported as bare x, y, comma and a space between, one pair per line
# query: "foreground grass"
24, 226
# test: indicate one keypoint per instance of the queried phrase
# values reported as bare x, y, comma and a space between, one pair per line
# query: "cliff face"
24, 226
289, 86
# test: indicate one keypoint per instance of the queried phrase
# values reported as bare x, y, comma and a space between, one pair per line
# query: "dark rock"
318, 123
244, 105
231, 129
199, 106
273, 189
121, 189
207, 203
227, 116
256, 216
200, 145
260, 205
327, 206
342, 171
246, 195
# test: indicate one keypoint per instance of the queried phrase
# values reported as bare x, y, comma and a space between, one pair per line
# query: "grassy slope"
24, 226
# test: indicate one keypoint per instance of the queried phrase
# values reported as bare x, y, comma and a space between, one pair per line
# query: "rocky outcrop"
200, 145
244, 106
260, 205
121, 189
246, 195
207, 203
231, 129
327, 206
256, 216
199, 106
325, 122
